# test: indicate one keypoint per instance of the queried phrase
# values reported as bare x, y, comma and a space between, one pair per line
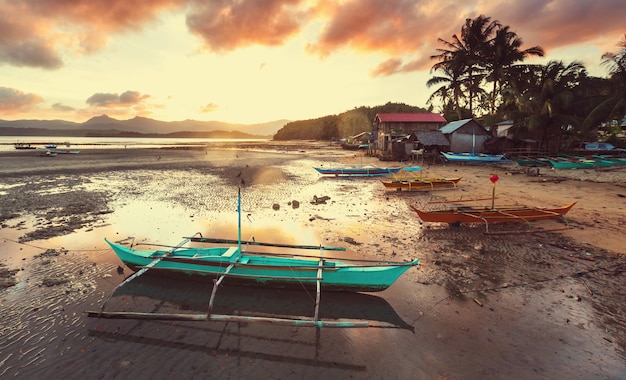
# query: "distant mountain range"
106, 126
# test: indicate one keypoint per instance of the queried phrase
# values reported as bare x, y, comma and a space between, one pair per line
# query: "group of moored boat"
398, 178
573, 161
49, 150
234, 262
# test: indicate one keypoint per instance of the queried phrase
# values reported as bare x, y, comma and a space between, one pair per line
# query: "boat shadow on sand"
156, 292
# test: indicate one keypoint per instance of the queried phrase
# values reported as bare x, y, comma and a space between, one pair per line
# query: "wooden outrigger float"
236, 265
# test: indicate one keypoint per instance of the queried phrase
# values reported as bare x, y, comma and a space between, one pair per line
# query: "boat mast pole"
239, 219
473, 141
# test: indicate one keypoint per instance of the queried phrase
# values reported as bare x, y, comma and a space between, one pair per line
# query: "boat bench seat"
229, 252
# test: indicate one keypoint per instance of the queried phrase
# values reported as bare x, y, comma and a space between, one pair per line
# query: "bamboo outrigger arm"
146, 268
258, 243
303, 322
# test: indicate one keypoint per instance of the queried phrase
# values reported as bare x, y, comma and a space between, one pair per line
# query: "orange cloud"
35, 33
395, 28
40, 33
209, 108
559, 23
228, 24
387, 67
397, 65
392, 27
13, 101
409, 30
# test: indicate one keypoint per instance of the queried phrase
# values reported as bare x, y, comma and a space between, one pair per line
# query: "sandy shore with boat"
506, 304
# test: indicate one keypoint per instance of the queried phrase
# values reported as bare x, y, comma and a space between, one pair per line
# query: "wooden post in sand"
494, 178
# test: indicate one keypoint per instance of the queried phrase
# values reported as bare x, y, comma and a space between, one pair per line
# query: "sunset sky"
253, 61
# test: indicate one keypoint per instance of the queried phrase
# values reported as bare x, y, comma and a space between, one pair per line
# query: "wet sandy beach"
510, 304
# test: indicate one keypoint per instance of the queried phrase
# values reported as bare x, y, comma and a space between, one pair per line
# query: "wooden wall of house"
468, 136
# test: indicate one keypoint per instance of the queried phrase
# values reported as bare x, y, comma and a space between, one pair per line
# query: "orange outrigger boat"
492, 215
421, 184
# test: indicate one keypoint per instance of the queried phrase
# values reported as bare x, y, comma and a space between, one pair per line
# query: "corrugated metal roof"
453, 126
425, 117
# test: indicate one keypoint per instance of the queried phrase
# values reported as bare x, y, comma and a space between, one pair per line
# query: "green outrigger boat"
233, 263
278, 270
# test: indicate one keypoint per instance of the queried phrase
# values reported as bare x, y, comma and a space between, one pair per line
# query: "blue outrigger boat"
474, 157
357, 171
232, 263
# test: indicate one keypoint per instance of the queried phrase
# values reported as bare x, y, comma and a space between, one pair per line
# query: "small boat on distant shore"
23, 146
532, 161
421, 184
65, 151
579, 163
474, 157
48, 153
357, 171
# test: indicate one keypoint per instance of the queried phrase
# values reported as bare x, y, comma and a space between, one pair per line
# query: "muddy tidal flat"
520, 302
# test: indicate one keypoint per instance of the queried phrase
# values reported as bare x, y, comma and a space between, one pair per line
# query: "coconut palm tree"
503, 52
484, 51
616, 63
604, 99
463, 56
450, 90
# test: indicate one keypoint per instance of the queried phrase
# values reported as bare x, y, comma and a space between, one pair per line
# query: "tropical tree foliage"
482, 54
340, 126
614, 103
540, 100
480, 72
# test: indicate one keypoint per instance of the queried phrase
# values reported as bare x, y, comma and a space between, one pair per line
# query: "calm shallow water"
7, 142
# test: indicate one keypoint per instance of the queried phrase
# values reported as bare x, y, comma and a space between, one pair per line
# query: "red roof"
426, 117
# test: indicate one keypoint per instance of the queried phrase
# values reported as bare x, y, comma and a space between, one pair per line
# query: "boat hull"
469, 157
358, 171
487, 215
251, 269
421, 184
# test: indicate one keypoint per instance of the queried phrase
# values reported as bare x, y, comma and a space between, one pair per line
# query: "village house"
392, 128
466, 136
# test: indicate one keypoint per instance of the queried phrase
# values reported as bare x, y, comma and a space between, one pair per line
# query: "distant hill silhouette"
107, 126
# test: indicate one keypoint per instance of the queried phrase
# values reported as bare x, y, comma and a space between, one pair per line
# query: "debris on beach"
7, 276
319, 200
350, 240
